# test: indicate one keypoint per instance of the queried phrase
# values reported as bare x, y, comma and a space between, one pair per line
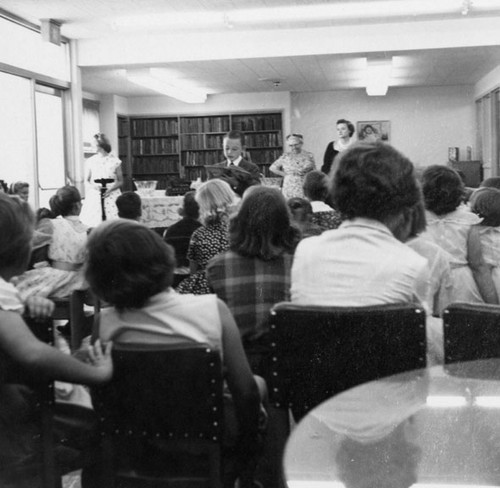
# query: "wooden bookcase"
178, 147
124, 150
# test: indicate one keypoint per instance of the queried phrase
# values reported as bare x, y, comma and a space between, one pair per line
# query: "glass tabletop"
427, 428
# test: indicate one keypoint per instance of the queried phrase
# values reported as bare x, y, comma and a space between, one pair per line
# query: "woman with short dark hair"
453, 227
345, 131
366, 261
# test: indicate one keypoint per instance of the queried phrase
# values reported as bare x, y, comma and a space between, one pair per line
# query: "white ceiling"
87, 20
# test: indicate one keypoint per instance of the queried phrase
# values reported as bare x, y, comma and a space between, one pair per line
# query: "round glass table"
436, 427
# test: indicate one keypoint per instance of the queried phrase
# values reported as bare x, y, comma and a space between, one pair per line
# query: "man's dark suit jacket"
241, 180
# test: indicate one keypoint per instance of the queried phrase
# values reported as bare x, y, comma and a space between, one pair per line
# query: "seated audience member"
365, 261
19, 348
250, 278
486, 204
254, 273
316, 191
440, 285
302, 214
130, 267
129, 205
216, 201
449, 225
66, 239
493, 182
21, 189
179, 234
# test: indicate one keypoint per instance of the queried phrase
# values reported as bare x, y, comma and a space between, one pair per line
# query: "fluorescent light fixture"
378, 76
174, 88
332, 11
487, 401
446, 401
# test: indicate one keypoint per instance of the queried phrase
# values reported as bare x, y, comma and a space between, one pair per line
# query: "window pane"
26, 49
16, 129
50, 144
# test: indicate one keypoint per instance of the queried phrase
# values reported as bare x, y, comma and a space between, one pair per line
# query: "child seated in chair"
21, 352
130, 267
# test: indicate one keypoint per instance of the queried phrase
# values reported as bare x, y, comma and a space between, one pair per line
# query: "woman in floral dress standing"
294, 166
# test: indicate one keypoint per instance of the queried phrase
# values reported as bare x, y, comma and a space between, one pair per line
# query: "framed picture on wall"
374, 130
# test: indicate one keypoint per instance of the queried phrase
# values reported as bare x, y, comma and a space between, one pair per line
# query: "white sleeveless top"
187, 318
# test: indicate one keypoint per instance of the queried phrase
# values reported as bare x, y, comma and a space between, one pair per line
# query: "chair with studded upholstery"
161, 415
318, 352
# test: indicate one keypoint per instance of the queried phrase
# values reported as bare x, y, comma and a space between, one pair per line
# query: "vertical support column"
75, 167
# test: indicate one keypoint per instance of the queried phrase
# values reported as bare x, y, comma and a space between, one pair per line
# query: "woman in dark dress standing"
345, 131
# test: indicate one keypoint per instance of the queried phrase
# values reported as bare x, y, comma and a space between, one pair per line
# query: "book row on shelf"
155, 165
201, 141
154, 127
193, 158
122, 146
205, 124
155, 146
263, 140
123, 127
257, 123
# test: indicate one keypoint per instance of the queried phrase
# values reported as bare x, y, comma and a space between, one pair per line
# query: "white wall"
425, 121
110, 107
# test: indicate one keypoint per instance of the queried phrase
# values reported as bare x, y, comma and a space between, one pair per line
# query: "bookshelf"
178, 147
154, 145
123, 150
263, 137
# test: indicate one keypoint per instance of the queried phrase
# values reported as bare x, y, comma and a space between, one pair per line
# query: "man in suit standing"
240, 173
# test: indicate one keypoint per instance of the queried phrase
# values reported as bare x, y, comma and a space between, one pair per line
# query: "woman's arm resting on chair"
22, 346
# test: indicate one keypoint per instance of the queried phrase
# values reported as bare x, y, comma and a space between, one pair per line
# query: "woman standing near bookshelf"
294, 166
103, 165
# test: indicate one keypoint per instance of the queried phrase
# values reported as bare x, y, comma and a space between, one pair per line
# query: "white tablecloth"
159, 210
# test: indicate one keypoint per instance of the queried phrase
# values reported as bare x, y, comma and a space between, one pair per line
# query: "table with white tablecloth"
159, 210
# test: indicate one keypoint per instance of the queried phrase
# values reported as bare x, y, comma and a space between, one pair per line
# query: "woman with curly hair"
486, 204
216, 200
453, 227
366, 261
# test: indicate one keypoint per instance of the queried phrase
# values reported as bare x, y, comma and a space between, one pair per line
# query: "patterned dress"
490, 245
325, 216
67, 246
99, 167
451, 232
295, 167
206, 242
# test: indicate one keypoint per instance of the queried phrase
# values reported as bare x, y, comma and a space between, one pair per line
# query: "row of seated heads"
371, 180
